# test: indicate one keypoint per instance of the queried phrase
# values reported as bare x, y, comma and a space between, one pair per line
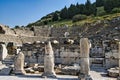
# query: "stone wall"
40, 31
63, 55
6, 30
58, 31
10, 38
111, 59
23, 32
32, 39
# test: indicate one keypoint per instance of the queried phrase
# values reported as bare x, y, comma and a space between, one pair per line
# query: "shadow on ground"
39, 77
67, 79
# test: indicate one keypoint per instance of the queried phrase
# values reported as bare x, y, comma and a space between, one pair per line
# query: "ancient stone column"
3, 51
49, 62
84, 59
19, 64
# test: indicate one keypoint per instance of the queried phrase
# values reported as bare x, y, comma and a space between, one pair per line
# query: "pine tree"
72, 10
77, 9
88, 8
64, 13
82, 8
108, 5
55, 17
99, 3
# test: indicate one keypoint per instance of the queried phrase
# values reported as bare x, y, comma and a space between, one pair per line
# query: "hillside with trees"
78, 13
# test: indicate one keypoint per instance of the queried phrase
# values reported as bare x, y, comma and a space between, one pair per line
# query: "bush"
101, 11
116, 10
16, 27
79, 17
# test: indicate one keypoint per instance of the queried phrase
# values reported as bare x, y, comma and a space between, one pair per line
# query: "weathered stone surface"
84, 62
113, 72
19, 64
70, 70
49, 61
29, 70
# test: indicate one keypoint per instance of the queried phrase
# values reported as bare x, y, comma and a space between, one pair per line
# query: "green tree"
55, 17
99, 3
89, 8
72, 10
17, 26
64, 13
116, 10
81, 9
77, 8
100, 11
94, 9
109, 5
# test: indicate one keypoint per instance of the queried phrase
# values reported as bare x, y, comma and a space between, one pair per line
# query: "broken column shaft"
49, 62
19, 64
84, 59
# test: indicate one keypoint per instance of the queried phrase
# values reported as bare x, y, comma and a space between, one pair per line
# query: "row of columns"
49, 61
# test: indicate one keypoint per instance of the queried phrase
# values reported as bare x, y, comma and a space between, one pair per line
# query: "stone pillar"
119, 61
19, 64
84, 59
49, 62
3, 51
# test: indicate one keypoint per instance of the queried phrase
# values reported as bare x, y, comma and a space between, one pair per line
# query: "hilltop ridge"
81, 13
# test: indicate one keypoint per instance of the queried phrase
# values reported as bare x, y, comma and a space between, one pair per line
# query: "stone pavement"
100, 74
37, 77
96, 74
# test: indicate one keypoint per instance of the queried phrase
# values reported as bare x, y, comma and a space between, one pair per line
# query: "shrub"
101, 11
116, 10
79, 17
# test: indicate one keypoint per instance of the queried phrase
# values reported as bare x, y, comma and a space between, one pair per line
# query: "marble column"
3, 52
19, 64
84, 59
49, 61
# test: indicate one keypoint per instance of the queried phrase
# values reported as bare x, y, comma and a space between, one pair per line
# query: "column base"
20, 72
84, 77
49, 75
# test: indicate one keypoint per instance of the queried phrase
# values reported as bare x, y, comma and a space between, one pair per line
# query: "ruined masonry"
72, 52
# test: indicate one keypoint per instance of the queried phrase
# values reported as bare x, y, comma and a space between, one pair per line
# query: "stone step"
8, 61
96, 65
5, 71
